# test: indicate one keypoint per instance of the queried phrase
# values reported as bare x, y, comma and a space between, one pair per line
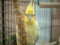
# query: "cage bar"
3, 36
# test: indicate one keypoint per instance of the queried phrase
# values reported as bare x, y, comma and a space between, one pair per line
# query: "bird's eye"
29, 15
25, 14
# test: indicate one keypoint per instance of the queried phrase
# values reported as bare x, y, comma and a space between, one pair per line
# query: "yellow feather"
30, 8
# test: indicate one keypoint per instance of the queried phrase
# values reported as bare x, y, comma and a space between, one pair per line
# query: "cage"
48, 19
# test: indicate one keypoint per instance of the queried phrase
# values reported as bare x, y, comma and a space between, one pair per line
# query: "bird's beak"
30, 17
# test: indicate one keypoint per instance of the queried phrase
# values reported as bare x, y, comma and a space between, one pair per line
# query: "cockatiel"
31, 25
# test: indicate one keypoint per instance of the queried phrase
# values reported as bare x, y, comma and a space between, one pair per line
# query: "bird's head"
29, 19
30, 13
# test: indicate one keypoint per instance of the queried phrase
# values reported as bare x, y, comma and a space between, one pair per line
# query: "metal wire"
3, 36
8, 27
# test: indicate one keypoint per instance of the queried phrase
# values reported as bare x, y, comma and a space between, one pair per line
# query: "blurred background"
48, 19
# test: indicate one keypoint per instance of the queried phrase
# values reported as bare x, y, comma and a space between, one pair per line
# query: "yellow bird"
31, 24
